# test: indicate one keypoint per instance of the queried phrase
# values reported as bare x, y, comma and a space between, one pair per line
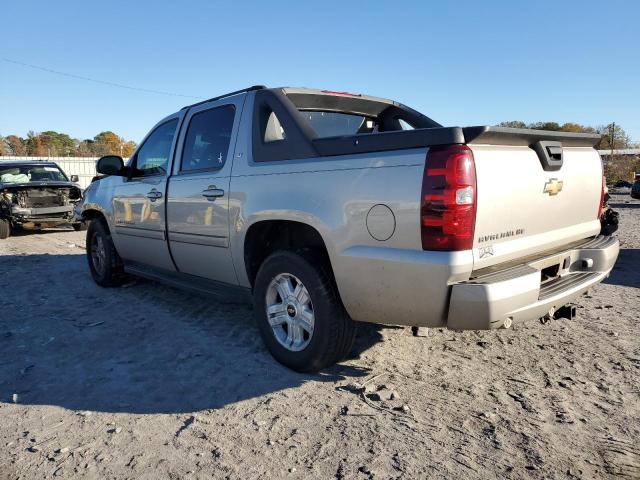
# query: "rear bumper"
518, 294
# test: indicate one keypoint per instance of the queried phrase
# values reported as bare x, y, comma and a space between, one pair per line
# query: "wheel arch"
91, 214
266, 236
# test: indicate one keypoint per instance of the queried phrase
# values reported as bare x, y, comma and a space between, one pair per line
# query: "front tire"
105, 264
299, 313
5, 229
80, 226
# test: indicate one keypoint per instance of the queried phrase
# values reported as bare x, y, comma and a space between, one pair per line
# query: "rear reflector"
448, 206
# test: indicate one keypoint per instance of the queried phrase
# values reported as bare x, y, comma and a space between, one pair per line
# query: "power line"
94, 80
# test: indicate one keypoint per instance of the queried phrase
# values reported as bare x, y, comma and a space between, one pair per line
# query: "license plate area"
552, 268
549, 273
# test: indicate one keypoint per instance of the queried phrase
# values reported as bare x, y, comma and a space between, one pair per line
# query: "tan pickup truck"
327, 208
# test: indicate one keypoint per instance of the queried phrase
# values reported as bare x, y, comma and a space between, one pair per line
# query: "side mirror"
75, 178
110, 165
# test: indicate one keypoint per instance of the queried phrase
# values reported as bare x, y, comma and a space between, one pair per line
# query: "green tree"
107, 143
620, 138
513, 124
85, 148
34, 145
4, 147
576, 128
58, 144
128, 148
553, 126
16, 145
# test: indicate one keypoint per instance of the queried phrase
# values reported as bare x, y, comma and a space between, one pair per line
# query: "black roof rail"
242, 90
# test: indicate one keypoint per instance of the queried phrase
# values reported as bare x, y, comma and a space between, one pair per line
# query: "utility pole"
612, 139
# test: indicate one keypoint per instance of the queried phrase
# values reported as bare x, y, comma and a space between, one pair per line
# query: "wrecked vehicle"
36, 195
609, 218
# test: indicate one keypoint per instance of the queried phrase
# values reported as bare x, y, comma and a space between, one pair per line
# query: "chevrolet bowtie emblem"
553, 186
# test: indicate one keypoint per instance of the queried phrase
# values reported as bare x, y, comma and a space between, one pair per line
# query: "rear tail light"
601, 205
448, 204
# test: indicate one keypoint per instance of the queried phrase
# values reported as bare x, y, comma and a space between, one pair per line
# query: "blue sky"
461, 63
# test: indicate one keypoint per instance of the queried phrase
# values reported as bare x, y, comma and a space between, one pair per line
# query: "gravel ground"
146, 381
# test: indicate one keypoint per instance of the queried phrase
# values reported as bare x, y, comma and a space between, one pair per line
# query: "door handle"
153, 195
211, 193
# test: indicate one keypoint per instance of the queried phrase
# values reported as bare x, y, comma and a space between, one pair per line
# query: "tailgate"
526, 204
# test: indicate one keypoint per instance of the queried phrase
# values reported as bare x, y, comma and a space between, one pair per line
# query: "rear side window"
153, 156
208, 137
336, 124
274, 131
404, 125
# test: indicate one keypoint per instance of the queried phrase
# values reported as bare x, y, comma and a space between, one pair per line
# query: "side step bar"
203, 286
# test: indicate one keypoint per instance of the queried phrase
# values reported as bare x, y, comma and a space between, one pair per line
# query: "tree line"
620, 137
620, 167
55, 144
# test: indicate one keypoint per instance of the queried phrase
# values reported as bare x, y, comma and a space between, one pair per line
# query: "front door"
139, 201
198, 197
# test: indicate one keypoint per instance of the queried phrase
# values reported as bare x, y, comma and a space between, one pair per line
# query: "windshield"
31, 173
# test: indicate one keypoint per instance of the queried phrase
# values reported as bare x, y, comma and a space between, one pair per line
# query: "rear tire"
80, 227
5, 229
105, 264
333, 331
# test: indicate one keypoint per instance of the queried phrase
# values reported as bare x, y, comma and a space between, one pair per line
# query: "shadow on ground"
627, 269
144, 348
22, 232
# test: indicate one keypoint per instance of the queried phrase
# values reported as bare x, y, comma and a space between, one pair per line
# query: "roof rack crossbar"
242, 90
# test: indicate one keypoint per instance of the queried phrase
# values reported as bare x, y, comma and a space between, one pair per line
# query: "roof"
327, 100
236, 92
299, 91
9, 163
317, 91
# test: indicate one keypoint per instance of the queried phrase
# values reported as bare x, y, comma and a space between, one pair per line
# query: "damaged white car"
36, 195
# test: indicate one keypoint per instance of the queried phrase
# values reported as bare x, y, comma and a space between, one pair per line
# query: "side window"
405, 125
208, 138
273, 131
152, 157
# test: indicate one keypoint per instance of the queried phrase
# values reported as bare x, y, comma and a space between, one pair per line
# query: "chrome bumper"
515, 294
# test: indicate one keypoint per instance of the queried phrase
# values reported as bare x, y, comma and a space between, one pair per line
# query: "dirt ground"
146, 381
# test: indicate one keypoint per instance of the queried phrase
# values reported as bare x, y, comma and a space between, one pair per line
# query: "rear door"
523, 209
198, 198
139, 201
